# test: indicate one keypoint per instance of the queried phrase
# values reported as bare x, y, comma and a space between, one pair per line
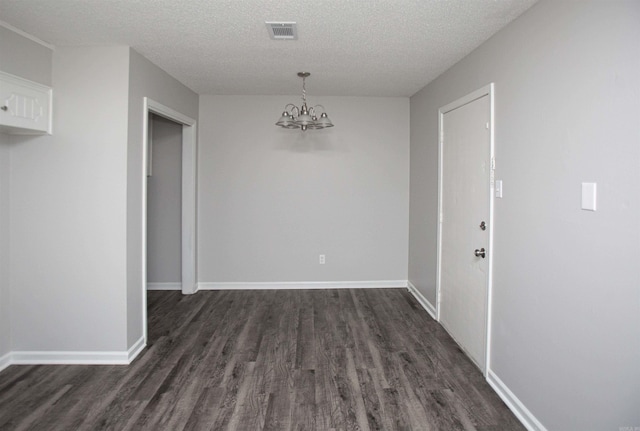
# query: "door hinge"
493, 163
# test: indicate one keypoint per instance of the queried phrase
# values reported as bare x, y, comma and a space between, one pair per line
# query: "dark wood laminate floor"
268, 360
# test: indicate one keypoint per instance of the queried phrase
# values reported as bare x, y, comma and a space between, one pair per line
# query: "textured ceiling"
352, 48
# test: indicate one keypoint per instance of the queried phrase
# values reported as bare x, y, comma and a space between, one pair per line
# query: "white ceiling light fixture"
303, 117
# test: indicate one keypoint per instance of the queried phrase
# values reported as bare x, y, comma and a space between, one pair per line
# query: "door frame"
188, 211
487, 90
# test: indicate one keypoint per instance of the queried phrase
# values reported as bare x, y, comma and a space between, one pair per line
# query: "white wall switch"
589, 196
498, 188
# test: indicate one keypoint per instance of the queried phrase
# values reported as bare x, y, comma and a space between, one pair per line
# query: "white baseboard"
515, 405
69, 358
373, 284
164, 286
72, 358
422, 300
5, 361
135, 350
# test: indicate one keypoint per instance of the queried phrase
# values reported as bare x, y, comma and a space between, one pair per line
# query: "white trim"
27, 35
188, 216
168, 113
515, 405
286, 285
439, 217
164, 286
490, 253
5, 361
18, 80
428, 306
135, 350
189, 210
487, 90
71, 358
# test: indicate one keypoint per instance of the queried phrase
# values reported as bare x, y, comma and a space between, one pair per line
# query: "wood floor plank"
31, 396
14, 376
281, 382
228, 401
328, 397
351, 359
243, 403
205, 410
305, 342
372, 404
396, 415
356, 332
42, 409
257, 402
303, 414
355, 405
418, 413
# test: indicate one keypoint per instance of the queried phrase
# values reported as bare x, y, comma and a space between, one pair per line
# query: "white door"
465, 224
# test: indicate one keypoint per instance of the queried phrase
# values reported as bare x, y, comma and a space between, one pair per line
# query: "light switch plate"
589, 196
498, 188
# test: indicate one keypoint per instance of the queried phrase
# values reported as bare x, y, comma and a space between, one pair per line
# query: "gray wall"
30, 60
77, 199
24, 57
164, 203
76, 226
271, 200
566, 301
68, 211
145, 80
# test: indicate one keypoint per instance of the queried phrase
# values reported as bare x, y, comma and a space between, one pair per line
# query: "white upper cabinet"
25, 106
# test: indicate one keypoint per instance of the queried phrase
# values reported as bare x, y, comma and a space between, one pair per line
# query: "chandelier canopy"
303, 117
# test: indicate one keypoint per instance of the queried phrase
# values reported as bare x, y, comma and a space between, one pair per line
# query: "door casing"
487, 90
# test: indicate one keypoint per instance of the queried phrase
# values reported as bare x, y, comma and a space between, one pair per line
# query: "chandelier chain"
304, 90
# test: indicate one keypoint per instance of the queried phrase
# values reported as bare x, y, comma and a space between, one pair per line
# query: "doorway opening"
188, 198
164, 204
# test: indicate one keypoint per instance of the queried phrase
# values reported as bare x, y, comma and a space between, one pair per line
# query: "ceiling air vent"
282, 30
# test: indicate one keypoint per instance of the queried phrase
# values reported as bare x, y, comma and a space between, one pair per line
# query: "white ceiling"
351, 47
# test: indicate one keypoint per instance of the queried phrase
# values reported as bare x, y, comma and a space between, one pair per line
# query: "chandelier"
304, 118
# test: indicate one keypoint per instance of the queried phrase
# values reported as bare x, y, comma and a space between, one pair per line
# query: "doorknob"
480, 253
483, 226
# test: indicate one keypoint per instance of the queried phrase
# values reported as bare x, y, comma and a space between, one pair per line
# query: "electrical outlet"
321, 260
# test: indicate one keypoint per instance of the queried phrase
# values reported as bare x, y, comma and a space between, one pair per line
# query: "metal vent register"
280, 30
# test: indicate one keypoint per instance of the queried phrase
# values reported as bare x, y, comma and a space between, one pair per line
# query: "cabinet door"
25, 106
